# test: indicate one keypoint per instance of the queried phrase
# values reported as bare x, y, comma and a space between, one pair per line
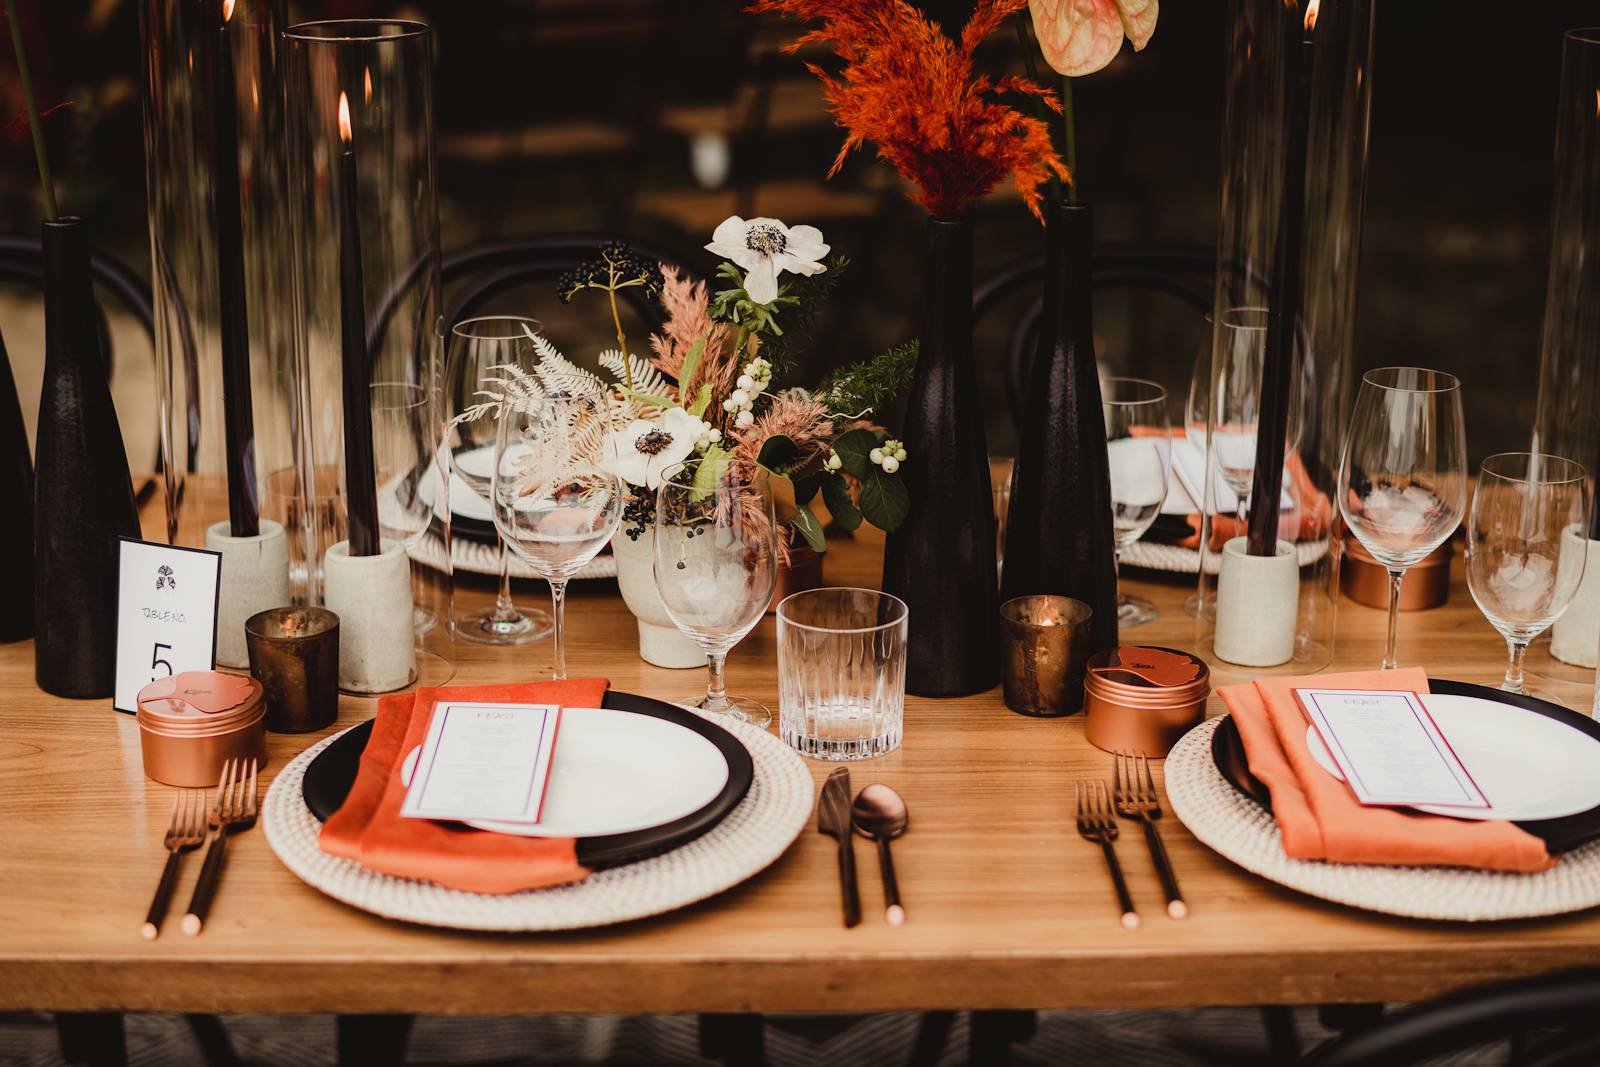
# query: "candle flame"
1597, 101
344, 118
366, 75
227, 10
1311, 14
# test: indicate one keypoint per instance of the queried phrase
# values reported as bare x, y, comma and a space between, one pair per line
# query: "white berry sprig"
755, 379
889, 456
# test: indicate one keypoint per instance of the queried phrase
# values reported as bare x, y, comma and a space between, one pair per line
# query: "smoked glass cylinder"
359, 125
1568, 419
215, 170
1297, 97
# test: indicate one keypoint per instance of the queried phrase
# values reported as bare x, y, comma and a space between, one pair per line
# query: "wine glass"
716, 563
478, 348
1403, 479
553, 503
1139, 450
1229, 386
1520, 578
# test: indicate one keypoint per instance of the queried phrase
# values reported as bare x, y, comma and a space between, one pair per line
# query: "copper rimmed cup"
294, 654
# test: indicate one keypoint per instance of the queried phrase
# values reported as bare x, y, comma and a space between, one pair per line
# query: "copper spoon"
881, 815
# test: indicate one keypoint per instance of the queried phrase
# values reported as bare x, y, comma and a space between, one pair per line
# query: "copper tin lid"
1141, 699
1140, 674
198, 703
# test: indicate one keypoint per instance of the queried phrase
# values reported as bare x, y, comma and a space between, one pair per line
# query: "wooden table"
1008, 908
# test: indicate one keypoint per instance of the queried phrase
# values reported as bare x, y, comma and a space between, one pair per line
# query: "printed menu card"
1389, 749
484, 761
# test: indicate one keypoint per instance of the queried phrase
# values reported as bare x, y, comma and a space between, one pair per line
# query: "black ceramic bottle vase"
16, 534
83, 497
940, 561
1058, 530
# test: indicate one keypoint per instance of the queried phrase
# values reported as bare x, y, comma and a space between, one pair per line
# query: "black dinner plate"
328, 780
1558, 835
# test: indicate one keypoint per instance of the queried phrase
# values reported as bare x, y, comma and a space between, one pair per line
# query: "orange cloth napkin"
1309, 522
370, 829
1320, 817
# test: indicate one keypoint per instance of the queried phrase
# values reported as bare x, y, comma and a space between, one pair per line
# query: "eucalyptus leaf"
810, 529
836, 494
691, 362
884, 500
701, 402
777, 452
855, 448
805, 489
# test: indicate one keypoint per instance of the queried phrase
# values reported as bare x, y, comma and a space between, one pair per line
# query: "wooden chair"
1181, 271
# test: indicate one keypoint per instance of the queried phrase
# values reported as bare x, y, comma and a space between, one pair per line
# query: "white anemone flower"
642, 451
766, 248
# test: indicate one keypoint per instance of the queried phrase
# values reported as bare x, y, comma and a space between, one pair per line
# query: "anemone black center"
653, 442
765, 239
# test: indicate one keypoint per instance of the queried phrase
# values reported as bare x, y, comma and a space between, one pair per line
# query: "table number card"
484, 761
1389, 748
166, 615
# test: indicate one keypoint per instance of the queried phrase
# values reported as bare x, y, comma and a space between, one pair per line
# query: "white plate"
1528, 765
463, 501
615, 772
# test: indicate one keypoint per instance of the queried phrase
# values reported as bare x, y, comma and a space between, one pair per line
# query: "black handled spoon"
880, 814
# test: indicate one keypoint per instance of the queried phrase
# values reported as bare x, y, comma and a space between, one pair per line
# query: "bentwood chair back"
1548, 1021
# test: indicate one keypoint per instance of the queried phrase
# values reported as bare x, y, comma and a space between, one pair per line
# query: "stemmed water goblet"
480, 349
1139, 450
716, 563
1520, 578
1403, 479
554, 504
1225, 396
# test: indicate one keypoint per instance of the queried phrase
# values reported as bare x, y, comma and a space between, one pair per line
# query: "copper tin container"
1365, 580
192, 723
1141, 699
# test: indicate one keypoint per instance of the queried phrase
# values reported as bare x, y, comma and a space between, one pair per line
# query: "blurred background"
656, 119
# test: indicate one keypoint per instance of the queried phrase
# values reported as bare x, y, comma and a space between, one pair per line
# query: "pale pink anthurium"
1079, 37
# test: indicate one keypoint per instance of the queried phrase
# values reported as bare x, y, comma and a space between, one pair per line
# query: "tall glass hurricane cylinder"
1567, 419
220, 262
359, 104
1297, 95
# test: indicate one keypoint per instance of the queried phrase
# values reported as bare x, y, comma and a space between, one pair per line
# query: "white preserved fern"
646, 380
559, 374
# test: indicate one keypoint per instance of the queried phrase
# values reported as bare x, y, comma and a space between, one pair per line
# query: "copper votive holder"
1046, 645
294, 654
1142, 699
1366, 581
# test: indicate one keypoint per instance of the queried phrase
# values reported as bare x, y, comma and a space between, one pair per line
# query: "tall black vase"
1058, 531
16, 534
940, 561
83, 497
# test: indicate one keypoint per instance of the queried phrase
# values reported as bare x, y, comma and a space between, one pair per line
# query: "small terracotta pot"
804, 571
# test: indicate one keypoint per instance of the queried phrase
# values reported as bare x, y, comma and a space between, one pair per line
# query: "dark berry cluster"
638, 515
617, 266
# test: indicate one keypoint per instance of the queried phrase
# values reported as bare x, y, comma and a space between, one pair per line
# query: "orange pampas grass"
911, 90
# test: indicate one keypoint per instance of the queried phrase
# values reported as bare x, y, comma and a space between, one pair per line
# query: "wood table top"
1007, 907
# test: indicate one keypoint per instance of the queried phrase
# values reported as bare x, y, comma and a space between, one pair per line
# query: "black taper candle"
1283, 322
238, 410
360, 482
